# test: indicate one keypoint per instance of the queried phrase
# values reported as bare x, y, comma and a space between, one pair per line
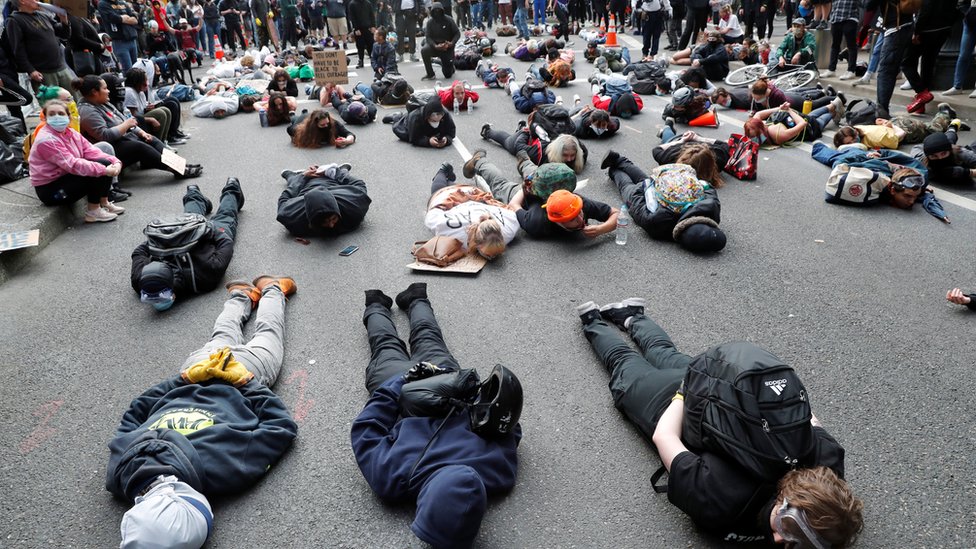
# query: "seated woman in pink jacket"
64, 167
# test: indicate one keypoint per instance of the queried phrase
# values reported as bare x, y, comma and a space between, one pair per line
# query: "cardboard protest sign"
330, 67
172, 160
469, 264
19, 239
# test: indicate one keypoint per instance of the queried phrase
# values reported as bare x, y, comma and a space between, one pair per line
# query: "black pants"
629, 180
562, 15
892, 52
651, 29
69, 188
846, 30
363, 45
224, 220
439, 181
406, 28
175, 114
447, 60
131, 150
928, 48
695, 21
505, 139
463, 17
674, 25
388, 353
11, 83
235, 30
642, 384
817, 96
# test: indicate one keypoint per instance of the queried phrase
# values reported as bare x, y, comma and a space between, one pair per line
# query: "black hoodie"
414, 128
440, 27
308, 201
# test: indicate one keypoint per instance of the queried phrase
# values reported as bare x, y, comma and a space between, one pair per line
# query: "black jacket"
209, 258
414, 129
360, 14
584, 131
936, 15
34, 41
713, 58
440, 28
307, 201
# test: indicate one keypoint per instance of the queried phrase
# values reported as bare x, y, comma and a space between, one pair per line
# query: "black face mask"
946, 162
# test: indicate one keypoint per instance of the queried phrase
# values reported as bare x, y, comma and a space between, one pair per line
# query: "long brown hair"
308, 134
830, 506
702, 159
278, 111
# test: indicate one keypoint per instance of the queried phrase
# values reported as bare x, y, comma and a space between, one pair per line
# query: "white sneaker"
413, 58
559, 100
99, 215
864, 80
906, 86
973, 95
847, 76
952, 91
826, 74
112, 208
576, 99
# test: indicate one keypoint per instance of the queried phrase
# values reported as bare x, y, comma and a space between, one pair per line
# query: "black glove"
423, 370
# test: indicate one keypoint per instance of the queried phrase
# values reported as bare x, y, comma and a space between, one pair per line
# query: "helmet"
682, 96
484, 43
499, 404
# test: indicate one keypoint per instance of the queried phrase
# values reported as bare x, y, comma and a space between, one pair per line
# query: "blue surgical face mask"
598, 130
58, 122
760, 139
658, 91
160, 301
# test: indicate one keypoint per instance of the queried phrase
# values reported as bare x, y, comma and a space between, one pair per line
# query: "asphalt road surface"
853, 298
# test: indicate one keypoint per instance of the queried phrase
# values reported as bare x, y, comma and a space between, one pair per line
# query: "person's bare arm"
667, 435
517, 200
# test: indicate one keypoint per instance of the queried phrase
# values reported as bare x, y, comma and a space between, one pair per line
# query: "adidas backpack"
554, 119
747, 405
861, 112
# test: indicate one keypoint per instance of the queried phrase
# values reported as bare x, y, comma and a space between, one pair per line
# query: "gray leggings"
265, 352
489, 178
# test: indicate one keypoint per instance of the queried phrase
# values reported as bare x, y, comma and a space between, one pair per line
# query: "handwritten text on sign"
330, 67
19, 239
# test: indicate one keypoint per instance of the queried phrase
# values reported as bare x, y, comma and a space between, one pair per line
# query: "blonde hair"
827, 501
485, 237
554, 152
247, 61
54, 103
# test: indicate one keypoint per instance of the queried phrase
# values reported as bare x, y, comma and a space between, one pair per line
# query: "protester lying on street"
278, 107
531, 94
556, 73
705, 155
525, 50
430, 126
483, 225
322, 201
594, 123
390, 90
686, 104
382, 58
216, 105
158, 116
458, 93
710, 56
283, 83
946, 161
784, 125
532, 138
956, 296
616, 59
65, 167
325, 93
670, 203
763, 95
319, 129
357, 110
102, 121
187, 254
431, 434
494, 76
617, 96
731, 489
213, 430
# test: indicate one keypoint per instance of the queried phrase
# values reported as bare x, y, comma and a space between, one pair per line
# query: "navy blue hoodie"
387, 446
307, 201
217, 438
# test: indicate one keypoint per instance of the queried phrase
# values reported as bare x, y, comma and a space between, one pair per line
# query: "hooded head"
936, 143
450, 507
437, 10
552, 177
358, 110
700, 235
434, 107
321, 208
172, 514
156, 285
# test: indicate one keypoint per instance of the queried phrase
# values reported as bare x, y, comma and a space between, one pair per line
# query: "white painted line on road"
632, 129
461, 149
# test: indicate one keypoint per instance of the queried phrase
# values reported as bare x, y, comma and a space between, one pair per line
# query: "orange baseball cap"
563, 206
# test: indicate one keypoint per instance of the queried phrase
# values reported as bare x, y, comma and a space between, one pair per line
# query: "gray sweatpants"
489, 178
265, 352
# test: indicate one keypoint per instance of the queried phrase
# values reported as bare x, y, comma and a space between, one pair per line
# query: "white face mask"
434, 124
597, 130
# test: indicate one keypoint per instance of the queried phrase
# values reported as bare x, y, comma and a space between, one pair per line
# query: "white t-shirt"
407, 5
135, 100
732, 24
454, 222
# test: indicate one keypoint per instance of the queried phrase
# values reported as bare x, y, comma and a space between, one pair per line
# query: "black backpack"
418, 100
533, 85
554, 119
170, 240
861, 112
650, 70
745, 404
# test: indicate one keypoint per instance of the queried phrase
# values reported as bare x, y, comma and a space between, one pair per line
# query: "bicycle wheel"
795, 80
745, 75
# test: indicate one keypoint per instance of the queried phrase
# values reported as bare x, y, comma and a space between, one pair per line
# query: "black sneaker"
947, 109
287, 174
830, 90
621, 313
415, 291
610, 160
469, 166
233, 186
487, 127
448, 170
377, 296
116, 196
208, 205
588, 312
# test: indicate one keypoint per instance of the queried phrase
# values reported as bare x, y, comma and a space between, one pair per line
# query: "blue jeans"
476, 14
667, 135
538, 12
127, 51
966, 46
821, 117
521, 23
209, 30
875, 54
365, 90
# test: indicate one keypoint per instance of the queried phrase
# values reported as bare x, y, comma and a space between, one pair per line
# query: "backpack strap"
659, 488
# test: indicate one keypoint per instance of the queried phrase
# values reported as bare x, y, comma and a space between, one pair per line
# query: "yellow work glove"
257, 21
221, 365
270, 15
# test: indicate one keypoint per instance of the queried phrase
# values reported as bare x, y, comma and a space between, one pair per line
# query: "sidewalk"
20, 210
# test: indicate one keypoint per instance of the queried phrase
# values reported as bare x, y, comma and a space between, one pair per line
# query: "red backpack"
743, 157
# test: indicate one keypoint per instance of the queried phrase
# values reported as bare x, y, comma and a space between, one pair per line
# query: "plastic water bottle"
457, 107
623, 225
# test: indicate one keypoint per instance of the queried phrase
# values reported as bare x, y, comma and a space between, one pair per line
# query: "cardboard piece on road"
172, 160
330, 66
19, 239
78, 8
469, 264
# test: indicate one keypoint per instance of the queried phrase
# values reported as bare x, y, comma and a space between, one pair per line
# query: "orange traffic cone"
218, 49
603, 27
707, 120
612, 34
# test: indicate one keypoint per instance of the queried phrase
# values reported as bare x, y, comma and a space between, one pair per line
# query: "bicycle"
786, 78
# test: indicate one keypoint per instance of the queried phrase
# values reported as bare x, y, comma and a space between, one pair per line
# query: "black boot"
377, 296
206, 201
233, 186
415, 291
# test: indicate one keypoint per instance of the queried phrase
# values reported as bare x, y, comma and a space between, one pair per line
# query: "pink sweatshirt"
56, 154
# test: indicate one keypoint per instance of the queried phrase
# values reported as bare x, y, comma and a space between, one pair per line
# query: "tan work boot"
287, 284
248, 289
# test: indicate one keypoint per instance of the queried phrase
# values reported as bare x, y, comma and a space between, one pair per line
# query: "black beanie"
936, 143
701, 238
156, 277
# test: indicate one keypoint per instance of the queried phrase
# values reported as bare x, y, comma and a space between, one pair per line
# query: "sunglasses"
809, 539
